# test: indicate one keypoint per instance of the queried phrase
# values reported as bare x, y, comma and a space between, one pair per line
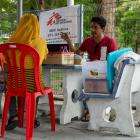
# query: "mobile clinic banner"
66, 19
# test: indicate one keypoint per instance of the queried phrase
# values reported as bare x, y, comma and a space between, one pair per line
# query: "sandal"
12, 123
36, 124
86, 116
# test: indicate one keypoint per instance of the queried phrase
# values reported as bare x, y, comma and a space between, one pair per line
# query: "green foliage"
55, 4
127, 26
8, 6
89, 10
7, 17
31, 6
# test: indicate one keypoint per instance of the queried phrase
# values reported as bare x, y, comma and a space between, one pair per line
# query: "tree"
108, 11
7, 17
127, 26
8, 11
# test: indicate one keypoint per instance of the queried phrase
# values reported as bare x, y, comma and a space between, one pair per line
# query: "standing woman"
27, 32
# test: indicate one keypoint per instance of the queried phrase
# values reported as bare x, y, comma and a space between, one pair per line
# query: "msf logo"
53, 19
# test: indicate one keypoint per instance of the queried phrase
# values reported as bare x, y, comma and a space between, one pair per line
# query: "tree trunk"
108, 11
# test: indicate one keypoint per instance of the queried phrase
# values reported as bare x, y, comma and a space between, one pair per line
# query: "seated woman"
27, 32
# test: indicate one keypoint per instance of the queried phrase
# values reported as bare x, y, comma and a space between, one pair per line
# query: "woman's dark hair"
99, 20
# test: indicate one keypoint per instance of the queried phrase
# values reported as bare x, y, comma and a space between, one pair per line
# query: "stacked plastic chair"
19, 84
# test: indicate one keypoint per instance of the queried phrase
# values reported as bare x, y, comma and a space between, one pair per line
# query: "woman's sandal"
12, 123
36, 124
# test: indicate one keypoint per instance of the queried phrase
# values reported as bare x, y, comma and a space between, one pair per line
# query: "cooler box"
65, 58
94, 77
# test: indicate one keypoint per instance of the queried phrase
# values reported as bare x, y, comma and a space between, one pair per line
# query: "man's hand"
65, 37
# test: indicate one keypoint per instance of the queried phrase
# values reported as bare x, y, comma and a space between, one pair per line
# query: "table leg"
70, 109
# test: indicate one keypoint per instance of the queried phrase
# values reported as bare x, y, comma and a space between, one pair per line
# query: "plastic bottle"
103, 53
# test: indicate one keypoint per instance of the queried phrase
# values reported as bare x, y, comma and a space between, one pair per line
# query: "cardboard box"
95, 86
94, 70
65, 58
94, 77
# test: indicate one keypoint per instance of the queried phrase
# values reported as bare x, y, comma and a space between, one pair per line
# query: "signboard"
66, 19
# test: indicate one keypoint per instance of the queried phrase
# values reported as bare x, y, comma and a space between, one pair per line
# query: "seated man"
98, 45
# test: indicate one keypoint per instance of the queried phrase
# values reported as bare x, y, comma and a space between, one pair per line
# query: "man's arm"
113, 45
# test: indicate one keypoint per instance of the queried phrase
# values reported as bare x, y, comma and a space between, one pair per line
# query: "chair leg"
52, 111
30, 115
4, 114
21, 103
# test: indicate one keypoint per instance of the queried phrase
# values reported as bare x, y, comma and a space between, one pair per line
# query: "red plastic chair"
18, 83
